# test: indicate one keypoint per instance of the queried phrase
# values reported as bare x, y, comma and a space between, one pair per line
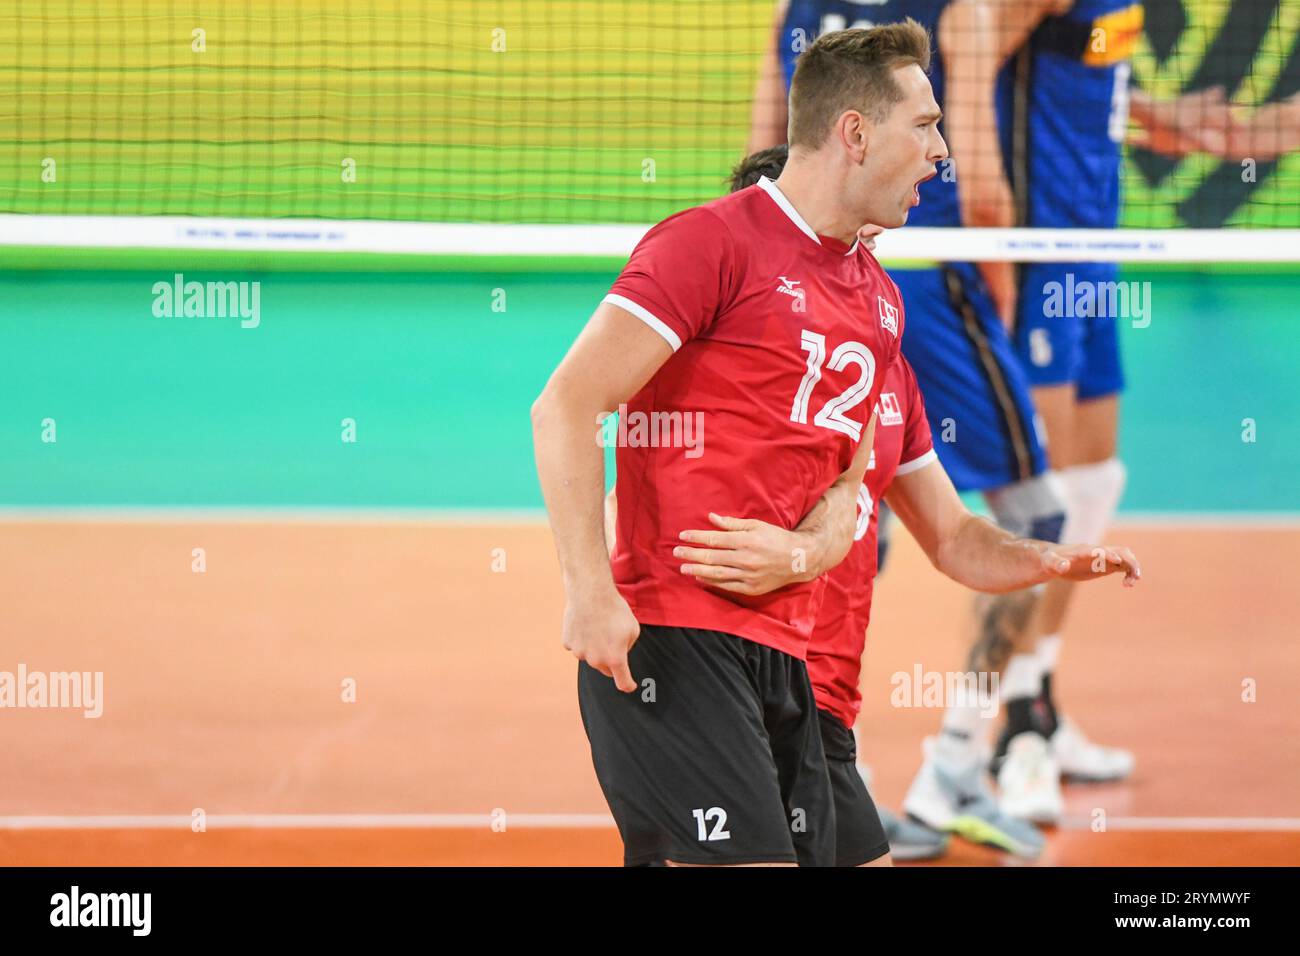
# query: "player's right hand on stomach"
600, 629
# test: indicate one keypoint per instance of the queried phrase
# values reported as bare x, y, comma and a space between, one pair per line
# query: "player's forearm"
971, 131
970, 127
571, 470
825, 535
983, 557
768, 116
1272, 130
769, 113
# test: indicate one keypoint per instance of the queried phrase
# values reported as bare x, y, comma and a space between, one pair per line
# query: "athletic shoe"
950, 793
910, 840
1080, 759
1030, 781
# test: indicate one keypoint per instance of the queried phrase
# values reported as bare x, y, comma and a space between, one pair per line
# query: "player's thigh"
1096, 430
976, 393
1101, 379
685, 762
859, 834
1101, 373
1056, 406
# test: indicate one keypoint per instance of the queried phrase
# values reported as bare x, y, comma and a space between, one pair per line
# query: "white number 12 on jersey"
832, 413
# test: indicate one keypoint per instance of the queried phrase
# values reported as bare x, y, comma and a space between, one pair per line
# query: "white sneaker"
1080, 759
1030, 780
908, 839
950, 793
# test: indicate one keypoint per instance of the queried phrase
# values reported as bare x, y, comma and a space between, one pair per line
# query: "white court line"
476, 821
1152, 824
478, 517
298, 821
1210, 520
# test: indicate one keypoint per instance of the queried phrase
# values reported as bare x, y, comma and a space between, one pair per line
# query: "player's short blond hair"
852, 70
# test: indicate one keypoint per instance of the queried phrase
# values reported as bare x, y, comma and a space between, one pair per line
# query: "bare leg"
1093, 428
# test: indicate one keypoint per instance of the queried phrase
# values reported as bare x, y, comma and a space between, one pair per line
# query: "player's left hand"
867, 235
1087, 562
744, 555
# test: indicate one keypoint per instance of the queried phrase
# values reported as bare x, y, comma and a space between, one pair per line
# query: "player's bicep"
928, 505
611, 360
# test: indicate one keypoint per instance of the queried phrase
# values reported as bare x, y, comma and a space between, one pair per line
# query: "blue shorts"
976, 393
1066, 327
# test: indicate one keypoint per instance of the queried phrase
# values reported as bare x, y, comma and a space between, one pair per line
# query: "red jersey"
902, 444
780, 340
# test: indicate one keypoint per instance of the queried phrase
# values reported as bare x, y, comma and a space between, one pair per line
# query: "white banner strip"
511, 239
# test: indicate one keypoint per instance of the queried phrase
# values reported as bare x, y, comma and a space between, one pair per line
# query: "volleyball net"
529, 129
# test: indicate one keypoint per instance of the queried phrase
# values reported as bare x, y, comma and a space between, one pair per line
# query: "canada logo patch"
888, 316
889, 410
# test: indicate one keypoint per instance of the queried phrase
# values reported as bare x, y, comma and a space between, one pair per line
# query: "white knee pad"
1092, 494
1034, 508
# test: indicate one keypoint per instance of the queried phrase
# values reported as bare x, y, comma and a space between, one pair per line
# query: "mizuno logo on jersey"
787, 287
888, 316
888, 409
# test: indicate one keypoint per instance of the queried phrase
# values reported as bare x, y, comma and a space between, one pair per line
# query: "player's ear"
855, 132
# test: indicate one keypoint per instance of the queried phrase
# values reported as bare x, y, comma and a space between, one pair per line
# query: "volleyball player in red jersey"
760, 319
864, 834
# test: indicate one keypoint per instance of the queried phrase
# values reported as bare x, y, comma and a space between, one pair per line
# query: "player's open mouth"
916, 187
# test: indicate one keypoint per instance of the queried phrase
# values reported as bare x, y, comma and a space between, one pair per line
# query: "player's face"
903, 151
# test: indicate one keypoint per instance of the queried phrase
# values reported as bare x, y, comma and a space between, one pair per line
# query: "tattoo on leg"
1002, 622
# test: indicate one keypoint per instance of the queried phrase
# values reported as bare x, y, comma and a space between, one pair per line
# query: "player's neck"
813, 190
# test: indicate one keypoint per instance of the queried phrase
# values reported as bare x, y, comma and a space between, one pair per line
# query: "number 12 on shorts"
718, 817
832, 413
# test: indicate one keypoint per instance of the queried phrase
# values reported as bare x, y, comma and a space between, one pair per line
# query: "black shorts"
859, 834
716, 759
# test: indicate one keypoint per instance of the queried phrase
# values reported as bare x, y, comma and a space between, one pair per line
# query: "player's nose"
939, 148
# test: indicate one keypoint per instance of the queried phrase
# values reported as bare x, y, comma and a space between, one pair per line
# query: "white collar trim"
778, 197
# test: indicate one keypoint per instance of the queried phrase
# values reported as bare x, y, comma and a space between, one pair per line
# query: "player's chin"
900, 220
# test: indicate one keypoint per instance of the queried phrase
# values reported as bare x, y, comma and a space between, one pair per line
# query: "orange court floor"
363, 691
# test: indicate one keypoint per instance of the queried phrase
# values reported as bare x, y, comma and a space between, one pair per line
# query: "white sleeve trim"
917, 463
648, 317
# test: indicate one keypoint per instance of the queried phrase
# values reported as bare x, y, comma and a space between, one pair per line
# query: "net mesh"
567, 111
